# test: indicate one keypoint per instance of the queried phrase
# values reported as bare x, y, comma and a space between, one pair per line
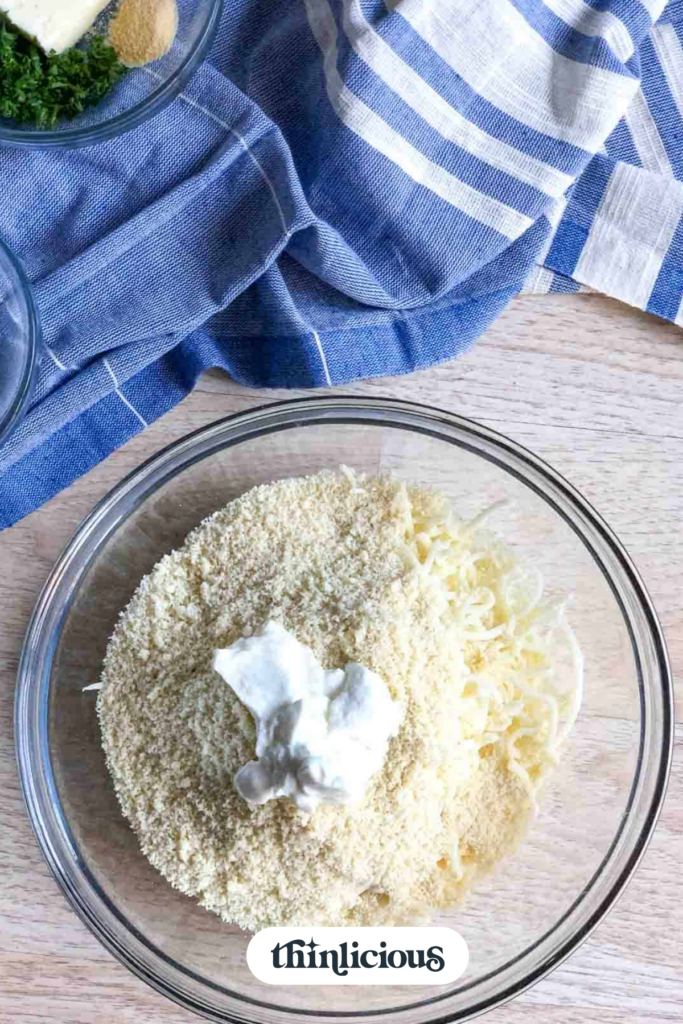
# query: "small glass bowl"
140, 94
599, 808
19, 341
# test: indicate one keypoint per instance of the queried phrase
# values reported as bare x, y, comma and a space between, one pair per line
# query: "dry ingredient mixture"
143, 30
364, 570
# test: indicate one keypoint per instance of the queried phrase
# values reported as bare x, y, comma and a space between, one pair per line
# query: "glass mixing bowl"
599, 809
19, 341
140, 94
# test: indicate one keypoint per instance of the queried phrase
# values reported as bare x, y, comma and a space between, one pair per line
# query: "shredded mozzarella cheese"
529, 690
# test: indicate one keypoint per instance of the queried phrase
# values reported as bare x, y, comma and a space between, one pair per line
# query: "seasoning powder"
325, 556
143, 31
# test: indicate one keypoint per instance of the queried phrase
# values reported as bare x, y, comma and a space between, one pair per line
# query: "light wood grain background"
596, 389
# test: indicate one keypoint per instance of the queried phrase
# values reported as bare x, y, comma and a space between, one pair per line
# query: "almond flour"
327, 557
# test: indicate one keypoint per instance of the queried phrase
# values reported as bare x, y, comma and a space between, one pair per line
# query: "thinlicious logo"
357, 956
301, 955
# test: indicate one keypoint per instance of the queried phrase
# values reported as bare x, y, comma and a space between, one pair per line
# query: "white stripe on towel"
494, 49
670, 56
438, 113
321, 350
630, 234
589, 22
646, 137
370, 127
123, 398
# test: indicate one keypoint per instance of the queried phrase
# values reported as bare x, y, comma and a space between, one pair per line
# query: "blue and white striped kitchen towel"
348, 188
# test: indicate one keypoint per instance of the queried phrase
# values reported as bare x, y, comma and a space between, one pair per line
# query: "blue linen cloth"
346, 189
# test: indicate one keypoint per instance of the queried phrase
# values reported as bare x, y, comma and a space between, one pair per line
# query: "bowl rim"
24, 391
74, 138
149, 477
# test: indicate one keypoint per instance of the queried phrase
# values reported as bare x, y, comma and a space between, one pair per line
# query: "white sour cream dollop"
320, 735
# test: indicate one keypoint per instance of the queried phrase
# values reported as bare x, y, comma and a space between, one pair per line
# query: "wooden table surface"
597, 390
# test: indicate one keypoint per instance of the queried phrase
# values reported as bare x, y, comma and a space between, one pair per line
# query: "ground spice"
143, 30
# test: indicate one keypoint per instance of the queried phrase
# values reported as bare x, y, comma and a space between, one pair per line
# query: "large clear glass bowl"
140, 94
600, 807
19, 341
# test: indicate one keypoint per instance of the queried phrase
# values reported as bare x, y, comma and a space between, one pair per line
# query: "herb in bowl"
41, 89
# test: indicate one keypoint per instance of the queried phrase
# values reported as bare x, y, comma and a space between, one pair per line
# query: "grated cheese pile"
360, 569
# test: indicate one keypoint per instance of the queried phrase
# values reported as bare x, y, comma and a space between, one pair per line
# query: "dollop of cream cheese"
320, 735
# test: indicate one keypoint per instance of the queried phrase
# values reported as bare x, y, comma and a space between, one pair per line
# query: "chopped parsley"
41, 89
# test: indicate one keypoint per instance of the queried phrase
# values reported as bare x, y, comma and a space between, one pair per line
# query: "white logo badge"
357, 956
